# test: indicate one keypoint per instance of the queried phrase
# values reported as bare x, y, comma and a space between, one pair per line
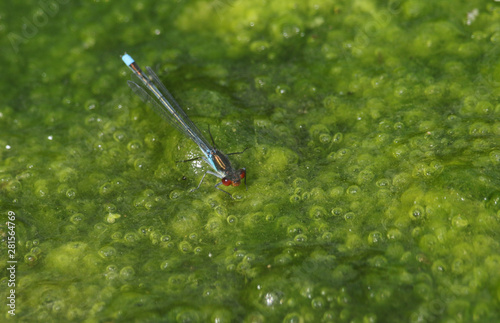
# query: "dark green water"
373, 169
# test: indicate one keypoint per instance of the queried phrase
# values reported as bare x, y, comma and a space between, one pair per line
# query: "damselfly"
166, 106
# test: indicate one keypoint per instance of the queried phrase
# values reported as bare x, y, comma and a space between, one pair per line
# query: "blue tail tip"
127, 59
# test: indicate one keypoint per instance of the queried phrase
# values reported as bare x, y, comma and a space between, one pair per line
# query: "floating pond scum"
373, 168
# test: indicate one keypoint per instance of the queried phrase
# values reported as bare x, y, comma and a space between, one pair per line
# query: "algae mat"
372, 170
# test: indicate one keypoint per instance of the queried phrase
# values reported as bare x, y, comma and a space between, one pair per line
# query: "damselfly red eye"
226, 182
242, 173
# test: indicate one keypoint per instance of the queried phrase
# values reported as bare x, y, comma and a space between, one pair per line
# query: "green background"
373, 169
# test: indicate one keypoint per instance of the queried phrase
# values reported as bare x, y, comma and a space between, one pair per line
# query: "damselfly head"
234, 178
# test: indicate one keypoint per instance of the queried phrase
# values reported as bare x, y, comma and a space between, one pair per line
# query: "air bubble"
100, 227
232, 220
165, 265
324, 138
495, 157
479, 129
349, 216
394, 234
293, 318
107, 252
327, 236
76, 218
318, 303
295, 229
336, 192
189, 315
300, 238
145, 230
134, 145
141, 164
417, 212
221, 211
259, 46
459, 221
282, 89
342, 154
439, 267
353, 191
14, 187
106, 188
108, 207
294, 199
175, 194
337, 211
374, 238
214, 225
111, 275
30, 259
282, 259
119, 136
337, 138
131, 237
152, 140
317, 212
365, 176
185, 247
127, 273
155, 237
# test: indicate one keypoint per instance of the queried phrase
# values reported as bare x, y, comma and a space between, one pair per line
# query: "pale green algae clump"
373, 174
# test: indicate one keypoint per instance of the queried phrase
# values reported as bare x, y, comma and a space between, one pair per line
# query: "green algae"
373, 181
